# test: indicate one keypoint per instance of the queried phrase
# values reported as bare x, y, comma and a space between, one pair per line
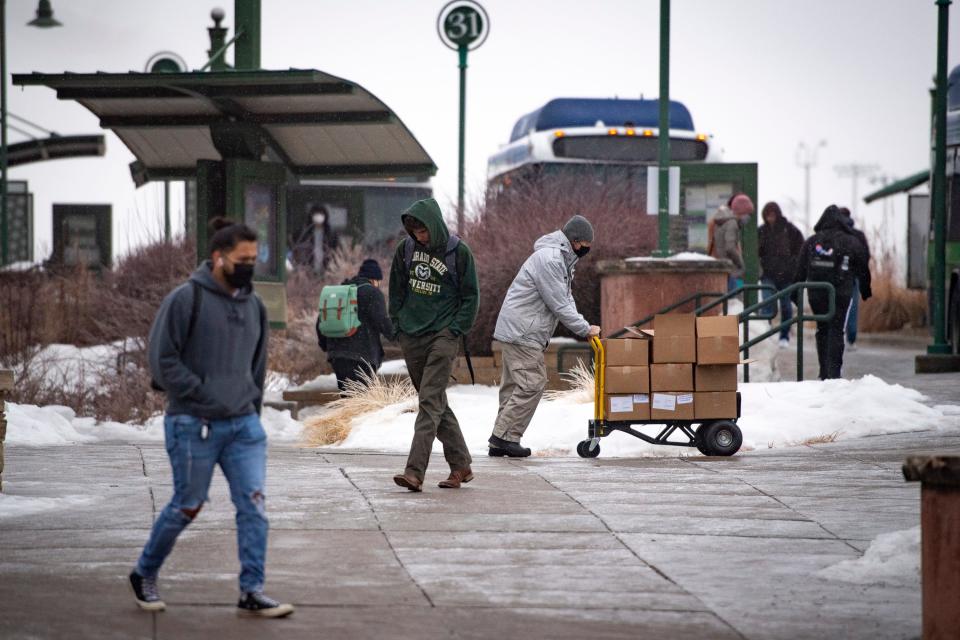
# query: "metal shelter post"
663, 156
938, 190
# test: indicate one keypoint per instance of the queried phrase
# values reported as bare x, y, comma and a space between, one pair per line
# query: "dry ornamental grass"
367, 395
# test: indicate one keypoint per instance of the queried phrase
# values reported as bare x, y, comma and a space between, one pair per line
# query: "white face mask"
319, 218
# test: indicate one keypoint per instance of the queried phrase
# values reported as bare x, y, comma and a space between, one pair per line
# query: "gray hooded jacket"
726, 240
219, 372
540, 296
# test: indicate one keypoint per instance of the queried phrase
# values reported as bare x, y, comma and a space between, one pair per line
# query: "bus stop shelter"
244, 135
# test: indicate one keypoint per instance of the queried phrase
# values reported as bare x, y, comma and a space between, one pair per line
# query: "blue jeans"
786, 307
853, 313
239, 446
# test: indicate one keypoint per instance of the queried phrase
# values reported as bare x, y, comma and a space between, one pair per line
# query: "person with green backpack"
352, 317
434, 297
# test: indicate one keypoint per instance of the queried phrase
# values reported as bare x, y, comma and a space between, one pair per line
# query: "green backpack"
339, 316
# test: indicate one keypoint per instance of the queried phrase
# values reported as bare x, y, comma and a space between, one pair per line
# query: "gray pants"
524, 379
429, 361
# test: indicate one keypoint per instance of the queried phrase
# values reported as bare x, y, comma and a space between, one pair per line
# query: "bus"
602, 136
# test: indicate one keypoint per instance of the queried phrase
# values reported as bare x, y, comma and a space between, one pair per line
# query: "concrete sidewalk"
539, 548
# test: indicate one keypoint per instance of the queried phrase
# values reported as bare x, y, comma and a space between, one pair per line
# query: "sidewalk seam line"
636, 555
386, 538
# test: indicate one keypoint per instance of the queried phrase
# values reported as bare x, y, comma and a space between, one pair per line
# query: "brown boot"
456, 477
408, 481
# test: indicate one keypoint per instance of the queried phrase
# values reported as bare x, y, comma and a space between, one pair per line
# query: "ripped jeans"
239, 446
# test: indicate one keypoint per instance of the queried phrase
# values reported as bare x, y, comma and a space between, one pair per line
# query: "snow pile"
892, 558
77, 368
774, 415
12, 506
328, 382
43, 426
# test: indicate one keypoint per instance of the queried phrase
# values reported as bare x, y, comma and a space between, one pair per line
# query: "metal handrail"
798, 319
763, 310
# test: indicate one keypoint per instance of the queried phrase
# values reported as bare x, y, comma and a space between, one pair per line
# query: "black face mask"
582, 251
241, 277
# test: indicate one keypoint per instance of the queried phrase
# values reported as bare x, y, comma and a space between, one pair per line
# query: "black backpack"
829, 262
194, 313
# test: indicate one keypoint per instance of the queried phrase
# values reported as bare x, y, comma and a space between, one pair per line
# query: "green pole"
246, 54
462, 50
938, 188
4, 228
663, 157
166, 211
216, 55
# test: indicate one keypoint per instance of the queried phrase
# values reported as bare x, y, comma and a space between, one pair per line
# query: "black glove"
866, 294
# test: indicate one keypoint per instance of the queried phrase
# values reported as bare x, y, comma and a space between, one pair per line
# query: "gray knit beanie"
578, 228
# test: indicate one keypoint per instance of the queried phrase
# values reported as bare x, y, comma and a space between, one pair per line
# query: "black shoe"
510, 449
146, 593
255, 604
496, 452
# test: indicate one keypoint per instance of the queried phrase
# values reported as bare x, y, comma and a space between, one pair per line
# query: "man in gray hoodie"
208, 351
538, 299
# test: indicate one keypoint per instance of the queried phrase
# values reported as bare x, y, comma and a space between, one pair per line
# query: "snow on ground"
328, 382
774, 415
14, 506
75, 368
684, 255
31, 425
892, 558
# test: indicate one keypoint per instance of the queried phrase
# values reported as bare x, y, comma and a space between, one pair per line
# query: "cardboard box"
715, 377
671, 406
630, 351
718, 340
714, 405
671, 377
627, 380
674, 338
631, 406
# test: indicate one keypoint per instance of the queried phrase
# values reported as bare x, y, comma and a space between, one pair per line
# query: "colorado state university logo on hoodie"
427, 273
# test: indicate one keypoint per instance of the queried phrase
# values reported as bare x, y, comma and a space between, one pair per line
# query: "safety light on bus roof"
631, 132
701, 137
559, 134
612, 132
648, 133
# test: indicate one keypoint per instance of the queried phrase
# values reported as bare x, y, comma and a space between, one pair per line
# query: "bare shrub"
367, 395
893, 306
823, 438
508, 224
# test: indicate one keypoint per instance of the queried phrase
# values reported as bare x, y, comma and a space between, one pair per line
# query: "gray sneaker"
146, 592
255, 604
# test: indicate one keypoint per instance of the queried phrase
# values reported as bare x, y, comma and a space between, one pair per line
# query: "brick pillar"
6, 384
633, 289
940, 541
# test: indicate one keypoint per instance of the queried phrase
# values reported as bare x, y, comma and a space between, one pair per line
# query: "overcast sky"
760, 75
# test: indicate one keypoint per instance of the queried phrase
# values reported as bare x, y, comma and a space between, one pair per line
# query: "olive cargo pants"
429, 361
523, 380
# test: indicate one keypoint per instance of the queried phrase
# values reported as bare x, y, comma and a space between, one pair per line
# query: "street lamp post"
44, 19
807, 159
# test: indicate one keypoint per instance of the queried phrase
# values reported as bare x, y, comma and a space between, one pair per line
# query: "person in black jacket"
362, 352
853, 315
779, 248
833, 254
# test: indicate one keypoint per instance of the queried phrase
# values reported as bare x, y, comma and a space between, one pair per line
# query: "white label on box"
641, 398
664, 402
621, 404
685, 398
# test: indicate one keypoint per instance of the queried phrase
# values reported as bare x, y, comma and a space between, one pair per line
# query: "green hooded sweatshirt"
423, 299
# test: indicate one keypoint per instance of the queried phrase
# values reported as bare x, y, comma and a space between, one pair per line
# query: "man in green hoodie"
434, 296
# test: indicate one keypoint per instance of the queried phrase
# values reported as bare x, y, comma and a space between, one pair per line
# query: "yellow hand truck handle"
599, 371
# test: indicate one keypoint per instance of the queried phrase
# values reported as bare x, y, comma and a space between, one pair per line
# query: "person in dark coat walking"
853, 316
779, 248
833, 254
361, 353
